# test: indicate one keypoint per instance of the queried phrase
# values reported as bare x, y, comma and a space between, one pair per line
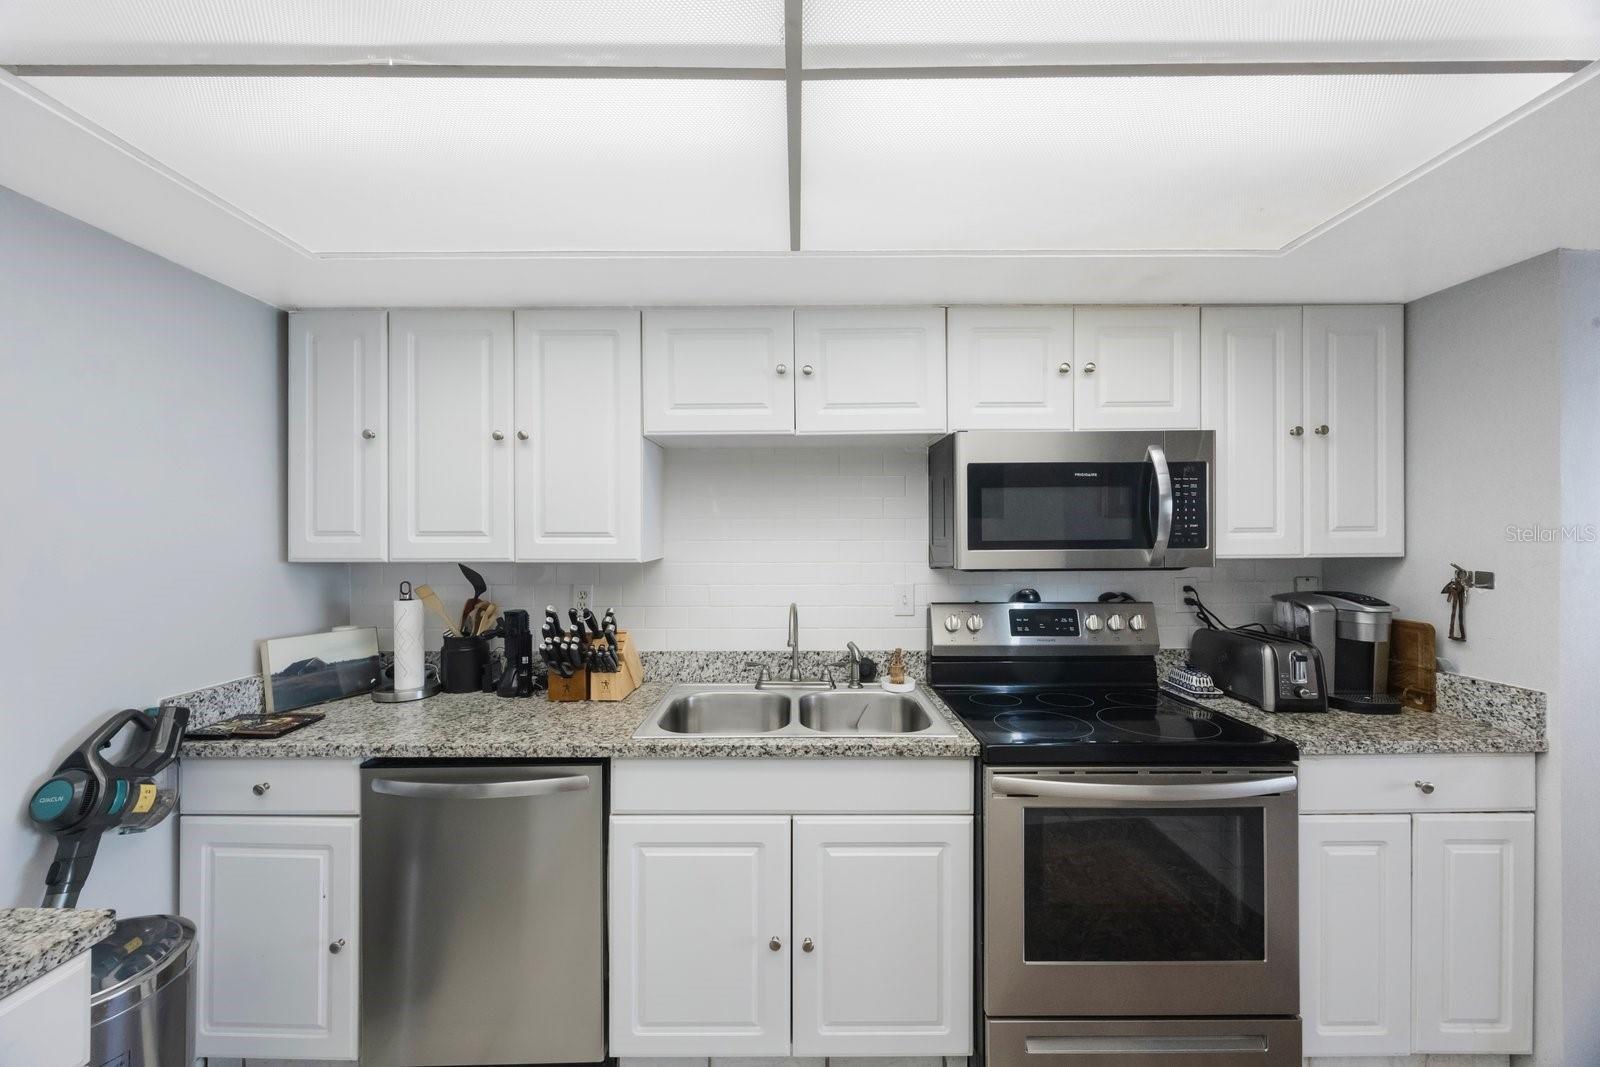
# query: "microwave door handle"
1238, 789
1158, 460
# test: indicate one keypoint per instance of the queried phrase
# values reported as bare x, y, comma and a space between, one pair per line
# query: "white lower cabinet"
699, 935
883, 928
715, 953
1416, 929
46, 1022
274, 901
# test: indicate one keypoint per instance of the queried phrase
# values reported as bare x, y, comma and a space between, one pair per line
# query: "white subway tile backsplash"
832, 529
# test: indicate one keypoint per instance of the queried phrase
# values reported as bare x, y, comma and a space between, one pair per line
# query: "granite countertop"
1349, 733
482, 726
35, 941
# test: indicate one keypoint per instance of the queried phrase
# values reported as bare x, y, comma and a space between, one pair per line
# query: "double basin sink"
776, 710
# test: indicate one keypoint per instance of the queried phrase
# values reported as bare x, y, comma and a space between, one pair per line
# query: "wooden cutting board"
1413, 664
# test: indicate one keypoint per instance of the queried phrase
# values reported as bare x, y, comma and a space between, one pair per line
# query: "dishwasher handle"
492, 790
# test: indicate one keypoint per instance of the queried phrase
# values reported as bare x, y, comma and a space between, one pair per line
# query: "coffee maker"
1351, 632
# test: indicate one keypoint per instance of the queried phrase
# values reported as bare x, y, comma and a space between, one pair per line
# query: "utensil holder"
461, 664
629, 675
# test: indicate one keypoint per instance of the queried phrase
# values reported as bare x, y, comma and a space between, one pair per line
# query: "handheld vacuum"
90, 794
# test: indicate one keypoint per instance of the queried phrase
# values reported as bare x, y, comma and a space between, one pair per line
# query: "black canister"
461, 664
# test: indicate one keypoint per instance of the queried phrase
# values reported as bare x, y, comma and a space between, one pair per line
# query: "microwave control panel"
1191, 520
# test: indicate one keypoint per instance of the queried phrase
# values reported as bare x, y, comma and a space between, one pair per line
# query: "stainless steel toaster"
1273, 672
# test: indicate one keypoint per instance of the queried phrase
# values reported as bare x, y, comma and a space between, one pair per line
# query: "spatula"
431, 601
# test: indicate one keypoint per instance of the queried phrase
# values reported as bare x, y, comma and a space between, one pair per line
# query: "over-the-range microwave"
1029, 500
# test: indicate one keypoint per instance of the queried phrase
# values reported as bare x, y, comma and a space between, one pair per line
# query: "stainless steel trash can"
141, 1001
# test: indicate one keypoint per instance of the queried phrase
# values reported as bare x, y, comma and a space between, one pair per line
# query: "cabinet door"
870, 370
699, 936
338, 435
587, 481
1472, 945
274, 900
719, 371
1355, 934
1355, 431
1138, 368
1252, 396
1010, 368
873, 978
450, 424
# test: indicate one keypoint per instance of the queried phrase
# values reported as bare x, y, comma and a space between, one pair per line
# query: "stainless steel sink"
776, 710
849, 711
724, 713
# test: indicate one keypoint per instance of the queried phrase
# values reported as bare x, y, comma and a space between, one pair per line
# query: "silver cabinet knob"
1088, 368
369, 434
260, 789
336, 946
783, 368
497, 435
1065, 368
1426, 787
807, 370
808, 945
1297, 431
775, 944
1321, 431
522, 435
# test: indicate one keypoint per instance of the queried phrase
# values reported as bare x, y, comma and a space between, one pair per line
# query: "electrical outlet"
905, 602
1307, 583
583, 598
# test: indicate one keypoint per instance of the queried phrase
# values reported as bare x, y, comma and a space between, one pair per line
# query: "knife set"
592, 661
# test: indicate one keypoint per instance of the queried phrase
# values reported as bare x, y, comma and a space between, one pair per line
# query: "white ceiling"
306, 189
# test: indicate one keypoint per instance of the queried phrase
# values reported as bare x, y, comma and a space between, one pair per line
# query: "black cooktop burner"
1124, 724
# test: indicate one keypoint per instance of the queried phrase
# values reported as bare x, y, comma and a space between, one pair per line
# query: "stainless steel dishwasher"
482, 914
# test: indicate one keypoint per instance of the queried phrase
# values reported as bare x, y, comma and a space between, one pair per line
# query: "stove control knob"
952, 623
1114, 623
1092, 623
1136, 623
975, 623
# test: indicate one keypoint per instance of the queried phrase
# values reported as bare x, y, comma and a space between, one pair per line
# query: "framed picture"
316, 668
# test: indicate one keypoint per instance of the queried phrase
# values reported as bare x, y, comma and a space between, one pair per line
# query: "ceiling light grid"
405, 127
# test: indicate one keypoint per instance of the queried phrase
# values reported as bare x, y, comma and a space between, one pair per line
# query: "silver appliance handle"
1237, 789
1113, 1045
515, 787
1158, 459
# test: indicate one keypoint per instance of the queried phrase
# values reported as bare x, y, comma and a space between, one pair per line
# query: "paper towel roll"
408, 666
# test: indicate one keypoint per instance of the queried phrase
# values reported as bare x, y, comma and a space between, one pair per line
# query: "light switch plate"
904, 600
1307, 583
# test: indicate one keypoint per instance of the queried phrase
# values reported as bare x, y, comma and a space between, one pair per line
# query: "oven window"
1058, 506
1137, 885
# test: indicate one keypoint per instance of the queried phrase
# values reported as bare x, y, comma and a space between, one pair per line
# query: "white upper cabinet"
1473, 935
871, 980
1253, 397
451, 435
1138, 368
587, 482
274, 903
719, 371
1010, 368
1355, 431
699, 944
338, 435
1355, 934
870, 370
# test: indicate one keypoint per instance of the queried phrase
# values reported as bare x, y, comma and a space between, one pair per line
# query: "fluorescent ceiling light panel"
607, 33
467, 165
1101, 164
910, 33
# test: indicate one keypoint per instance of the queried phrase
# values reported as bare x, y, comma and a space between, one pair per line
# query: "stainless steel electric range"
1139, 852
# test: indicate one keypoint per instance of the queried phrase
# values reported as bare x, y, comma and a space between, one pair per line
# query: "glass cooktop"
1127, 724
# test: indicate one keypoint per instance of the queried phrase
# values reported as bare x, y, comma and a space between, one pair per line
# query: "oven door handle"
1238, 789
1158, 460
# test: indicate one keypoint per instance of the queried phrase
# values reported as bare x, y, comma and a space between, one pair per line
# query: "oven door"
1141, 892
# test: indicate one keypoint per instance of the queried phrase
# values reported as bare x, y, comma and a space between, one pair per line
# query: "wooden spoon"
431, 601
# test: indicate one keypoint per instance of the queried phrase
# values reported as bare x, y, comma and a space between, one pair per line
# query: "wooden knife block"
593, 685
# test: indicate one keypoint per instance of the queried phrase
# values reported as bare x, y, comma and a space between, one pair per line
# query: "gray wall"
1502, 433
141, 551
